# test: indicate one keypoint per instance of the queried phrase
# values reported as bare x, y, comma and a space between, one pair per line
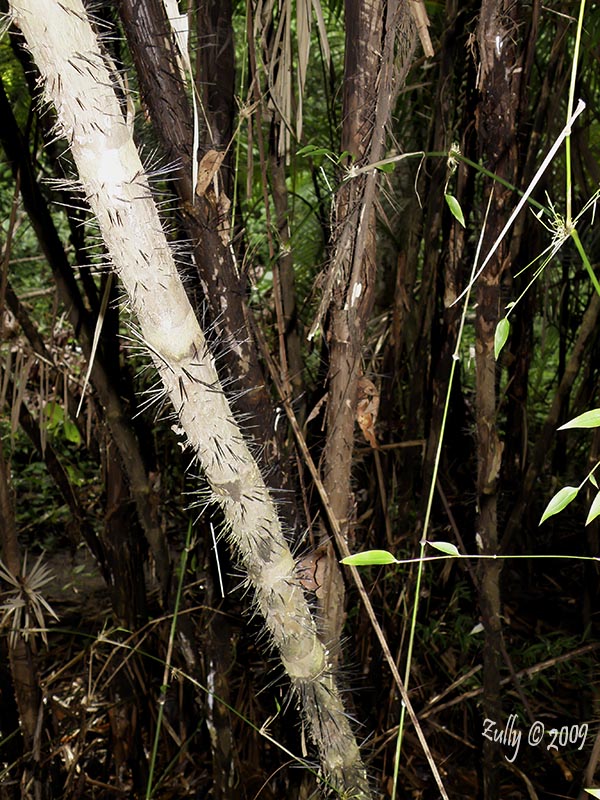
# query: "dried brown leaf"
209, 166
421, 20
367, 409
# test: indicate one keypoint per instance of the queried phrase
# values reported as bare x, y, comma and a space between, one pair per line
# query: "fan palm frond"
24, 608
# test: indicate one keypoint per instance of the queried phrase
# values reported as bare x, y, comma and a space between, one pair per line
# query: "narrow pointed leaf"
71, 432
594, 482
593, 792
313, 150
369, 558
455, 209
594, 509
560, 500
501, 335
54, 414
445, 547
590, 419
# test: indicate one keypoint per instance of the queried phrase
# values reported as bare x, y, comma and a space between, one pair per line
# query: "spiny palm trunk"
80, 86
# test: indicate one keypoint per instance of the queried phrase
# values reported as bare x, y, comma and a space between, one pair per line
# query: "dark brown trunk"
497, 116
216, 71
207, 218
123, 435
287, 291
122, 546
446, 256
371, 29
352, 292
219, 657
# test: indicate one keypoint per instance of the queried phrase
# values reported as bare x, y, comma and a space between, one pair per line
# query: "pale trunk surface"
79, 84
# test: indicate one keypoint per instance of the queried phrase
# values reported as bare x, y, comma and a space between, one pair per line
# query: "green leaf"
501, 335
593, 792
370, 558
591, 419
313, 150
560, 500
54, 414
445, 547
75, 475
71, 432
390, 167
594, 482
455, 208
594, 509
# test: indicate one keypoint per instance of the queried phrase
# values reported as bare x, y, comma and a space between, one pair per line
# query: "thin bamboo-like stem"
423, 543
343, 548
165, 683
569, 192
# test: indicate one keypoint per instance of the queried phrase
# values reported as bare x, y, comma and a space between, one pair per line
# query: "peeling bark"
372, 28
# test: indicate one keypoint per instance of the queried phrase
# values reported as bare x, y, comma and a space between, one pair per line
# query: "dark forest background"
327, 289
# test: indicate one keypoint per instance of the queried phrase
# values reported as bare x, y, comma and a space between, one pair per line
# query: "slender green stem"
238, 144
496, 178
165, 682
571, 102
458, 157
495, 557
585, 259
589, 475
421, 560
